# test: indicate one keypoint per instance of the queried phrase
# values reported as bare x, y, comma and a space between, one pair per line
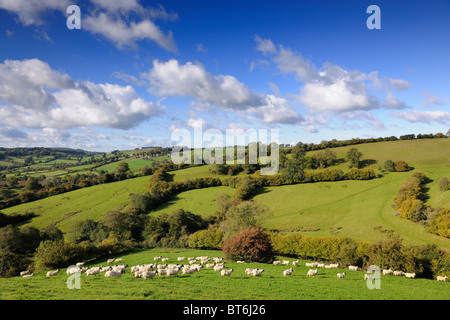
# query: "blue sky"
138, 70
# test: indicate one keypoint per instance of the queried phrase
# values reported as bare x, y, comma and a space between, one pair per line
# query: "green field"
355, 209
209, 285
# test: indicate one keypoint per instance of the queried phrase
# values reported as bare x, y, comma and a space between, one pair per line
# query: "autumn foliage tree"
250, 244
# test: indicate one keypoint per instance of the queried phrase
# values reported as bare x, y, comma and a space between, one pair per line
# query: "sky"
137, 71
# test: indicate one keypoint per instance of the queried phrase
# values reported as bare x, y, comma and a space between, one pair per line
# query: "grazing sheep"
249, 271
257, 272
52, 273
113, 274
387, 271
79, 264
226, 272
24, 272
410, 275
441, 278
276, 262
285, 262
180, 258
161, 272
240, 261
157, 258
28, 275
398, 273
353, 268
119, 260
321, 265
188, 270
367, 276
209, 265
219, 267
72, 270
93, 271
171, 272
312, 272
109, 261
288, 272
294, 263
341, 275
334, 265
165, 259
148, 274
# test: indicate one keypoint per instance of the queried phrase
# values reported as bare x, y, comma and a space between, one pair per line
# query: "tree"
389, 166
250, 245
353, 156
32, 184
12, 181
245, 215
444, 184
401, 166
122, 170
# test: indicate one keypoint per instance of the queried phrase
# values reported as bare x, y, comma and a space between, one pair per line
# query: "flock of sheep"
195, 264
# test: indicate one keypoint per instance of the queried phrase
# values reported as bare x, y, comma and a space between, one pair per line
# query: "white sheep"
165, 259
219, 267
312, 272
180, 258
226, 272
157, 258
52, 273
162, 272
288, 272
441, 278
188, 270
113, 274
387, 271
285, 262
148, 274
24, 272
93, 271
367, 276
353, 268
79, 264
257, 272
28, 275
73, 269
249, 271
410, 275
109, 261
209, 265
276, 262
171, 272
341, 275
321, 265
398, 273
294, 263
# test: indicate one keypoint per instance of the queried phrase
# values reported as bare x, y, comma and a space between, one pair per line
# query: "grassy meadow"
209, 285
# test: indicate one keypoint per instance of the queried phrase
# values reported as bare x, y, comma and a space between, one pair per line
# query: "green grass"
209, 285
82, 204
133, 164
201, 201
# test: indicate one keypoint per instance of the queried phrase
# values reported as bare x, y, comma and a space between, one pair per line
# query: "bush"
250, 245
207, 239
444, 184
401, 166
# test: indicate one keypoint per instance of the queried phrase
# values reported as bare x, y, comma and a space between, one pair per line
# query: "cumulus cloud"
332, 88
37, 96
192, 80
442, 117
431, 100
225, 91
122, 22
31, 12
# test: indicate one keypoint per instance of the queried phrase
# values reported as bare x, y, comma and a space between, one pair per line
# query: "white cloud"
122, 34
333, 88
431, 100
30, 12
37, 96
192, 80
424, 116
123, 22
266, 46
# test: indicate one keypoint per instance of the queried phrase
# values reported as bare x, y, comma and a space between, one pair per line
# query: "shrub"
207, 239
389, 166
250, 245
444, 184
401, 166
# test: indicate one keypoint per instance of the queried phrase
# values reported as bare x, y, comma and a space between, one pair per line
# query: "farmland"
208, 284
